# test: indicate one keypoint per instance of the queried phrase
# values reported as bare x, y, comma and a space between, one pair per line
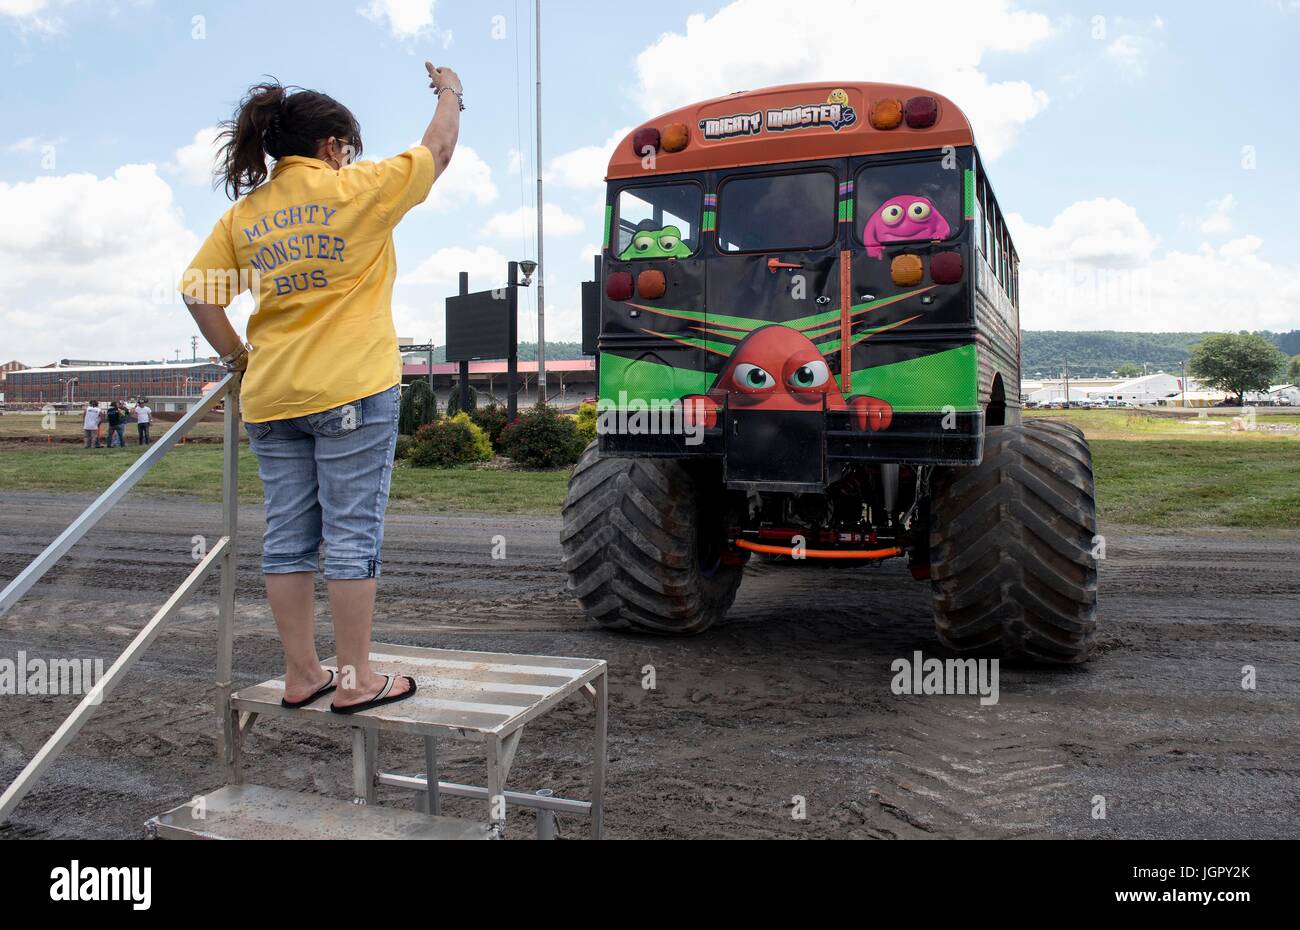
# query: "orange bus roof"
793, 122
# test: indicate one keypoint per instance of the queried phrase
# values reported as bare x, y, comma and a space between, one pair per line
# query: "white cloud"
468, 180
27, 144
486, 267
194, 162
1102, 233
752, 43
584, 167
1218, 222
406, 19
28, 16
520, 224
1129, 53
1096, 266
91, 266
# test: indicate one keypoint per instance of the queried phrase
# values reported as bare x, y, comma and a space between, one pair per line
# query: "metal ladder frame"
222, 555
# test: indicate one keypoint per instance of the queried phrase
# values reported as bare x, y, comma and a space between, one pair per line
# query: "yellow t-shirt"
315, 246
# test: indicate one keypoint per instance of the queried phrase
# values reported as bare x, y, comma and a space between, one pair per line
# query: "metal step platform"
480, 697
252, 812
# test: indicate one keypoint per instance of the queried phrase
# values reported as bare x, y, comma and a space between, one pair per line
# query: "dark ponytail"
272, 121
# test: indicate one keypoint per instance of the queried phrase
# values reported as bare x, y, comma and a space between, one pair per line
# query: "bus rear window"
659, 221
908, 202
777, 213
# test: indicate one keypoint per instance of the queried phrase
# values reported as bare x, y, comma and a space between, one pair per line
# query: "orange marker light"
651, 285
886, 114
907, 270
675, 137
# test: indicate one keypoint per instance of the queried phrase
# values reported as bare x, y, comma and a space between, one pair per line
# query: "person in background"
90, 424
143, 417
322, 369
116, 423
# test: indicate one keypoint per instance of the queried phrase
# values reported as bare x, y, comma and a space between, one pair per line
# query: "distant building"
1286, 395
1143, 391
4, 374
77, 384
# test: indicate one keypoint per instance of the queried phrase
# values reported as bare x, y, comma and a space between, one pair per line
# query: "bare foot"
369, 690
299, 687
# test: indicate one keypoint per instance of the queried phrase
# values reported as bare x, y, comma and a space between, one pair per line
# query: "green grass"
1189, 483
67, 427
196, 470
1151, 471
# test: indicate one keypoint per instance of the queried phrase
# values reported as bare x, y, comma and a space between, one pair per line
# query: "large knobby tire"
1011, 547
642, 548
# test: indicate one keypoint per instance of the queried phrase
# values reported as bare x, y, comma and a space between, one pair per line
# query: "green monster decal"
661, 243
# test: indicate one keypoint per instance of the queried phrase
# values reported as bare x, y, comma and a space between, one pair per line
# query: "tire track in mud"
791, 697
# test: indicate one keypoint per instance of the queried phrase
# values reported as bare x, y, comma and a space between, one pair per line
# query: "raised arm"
444, 129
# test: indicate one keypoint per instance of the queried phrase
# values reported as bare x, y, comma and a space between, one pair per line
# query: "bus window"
1000, 232
907, 201
981, 234
663, 219
990, 210
991, 221
777, 213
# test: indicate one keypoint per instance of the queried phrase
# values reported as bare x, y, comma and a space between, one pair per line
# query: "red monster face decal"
778, 368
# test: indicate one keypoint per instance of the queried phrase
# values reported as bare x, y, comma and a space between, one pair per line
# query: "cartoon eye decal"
812, 375
918, 211
753, 378
892, 215
668, 243
643, 243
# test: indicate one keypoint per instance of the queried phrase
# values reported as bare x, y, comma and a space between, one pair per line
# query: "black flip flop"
328, 687
385, 696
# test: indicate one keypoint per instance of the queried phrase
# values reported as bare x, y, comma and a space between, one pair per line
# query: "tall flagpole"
541, 266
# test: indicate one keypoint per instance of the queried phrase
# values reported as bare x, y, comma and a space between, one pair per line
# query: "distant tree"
1236, 363
418, 407
1293, 369
453, 402
1128, 370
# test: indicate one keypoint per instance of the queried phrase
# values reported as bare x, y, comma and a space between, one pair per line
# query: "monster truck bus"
809, 348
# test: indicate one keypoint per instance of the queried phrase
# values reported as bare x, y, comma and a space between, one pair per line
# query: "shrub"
418, 407
542, 438
492, 420
586, 421
450, 442
453, 402
403, 448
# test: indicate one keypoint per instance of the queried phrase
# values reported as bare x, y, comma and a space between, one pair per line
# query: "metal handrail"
222, 554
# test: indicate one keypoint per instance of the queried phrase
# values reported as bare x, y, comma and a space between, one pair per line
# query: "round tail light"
921, 112
618, 285
946, 268
645, 139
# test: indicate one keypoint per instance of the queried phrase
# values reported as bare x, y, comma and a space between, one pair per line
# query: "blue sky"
1143, 152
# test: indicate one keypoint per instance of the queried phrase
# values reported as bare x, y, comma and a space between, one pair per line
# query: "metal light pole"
541, 265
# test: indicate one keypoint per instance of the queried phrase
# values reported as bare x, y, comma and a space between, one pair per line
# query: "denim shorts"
326, 478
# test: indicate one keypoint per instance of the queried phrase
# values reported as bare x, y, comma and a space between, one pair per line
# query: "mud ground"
790, 698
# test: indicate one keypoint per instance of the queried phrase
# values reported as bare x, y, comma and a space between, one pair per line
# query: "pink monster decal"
907, 216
